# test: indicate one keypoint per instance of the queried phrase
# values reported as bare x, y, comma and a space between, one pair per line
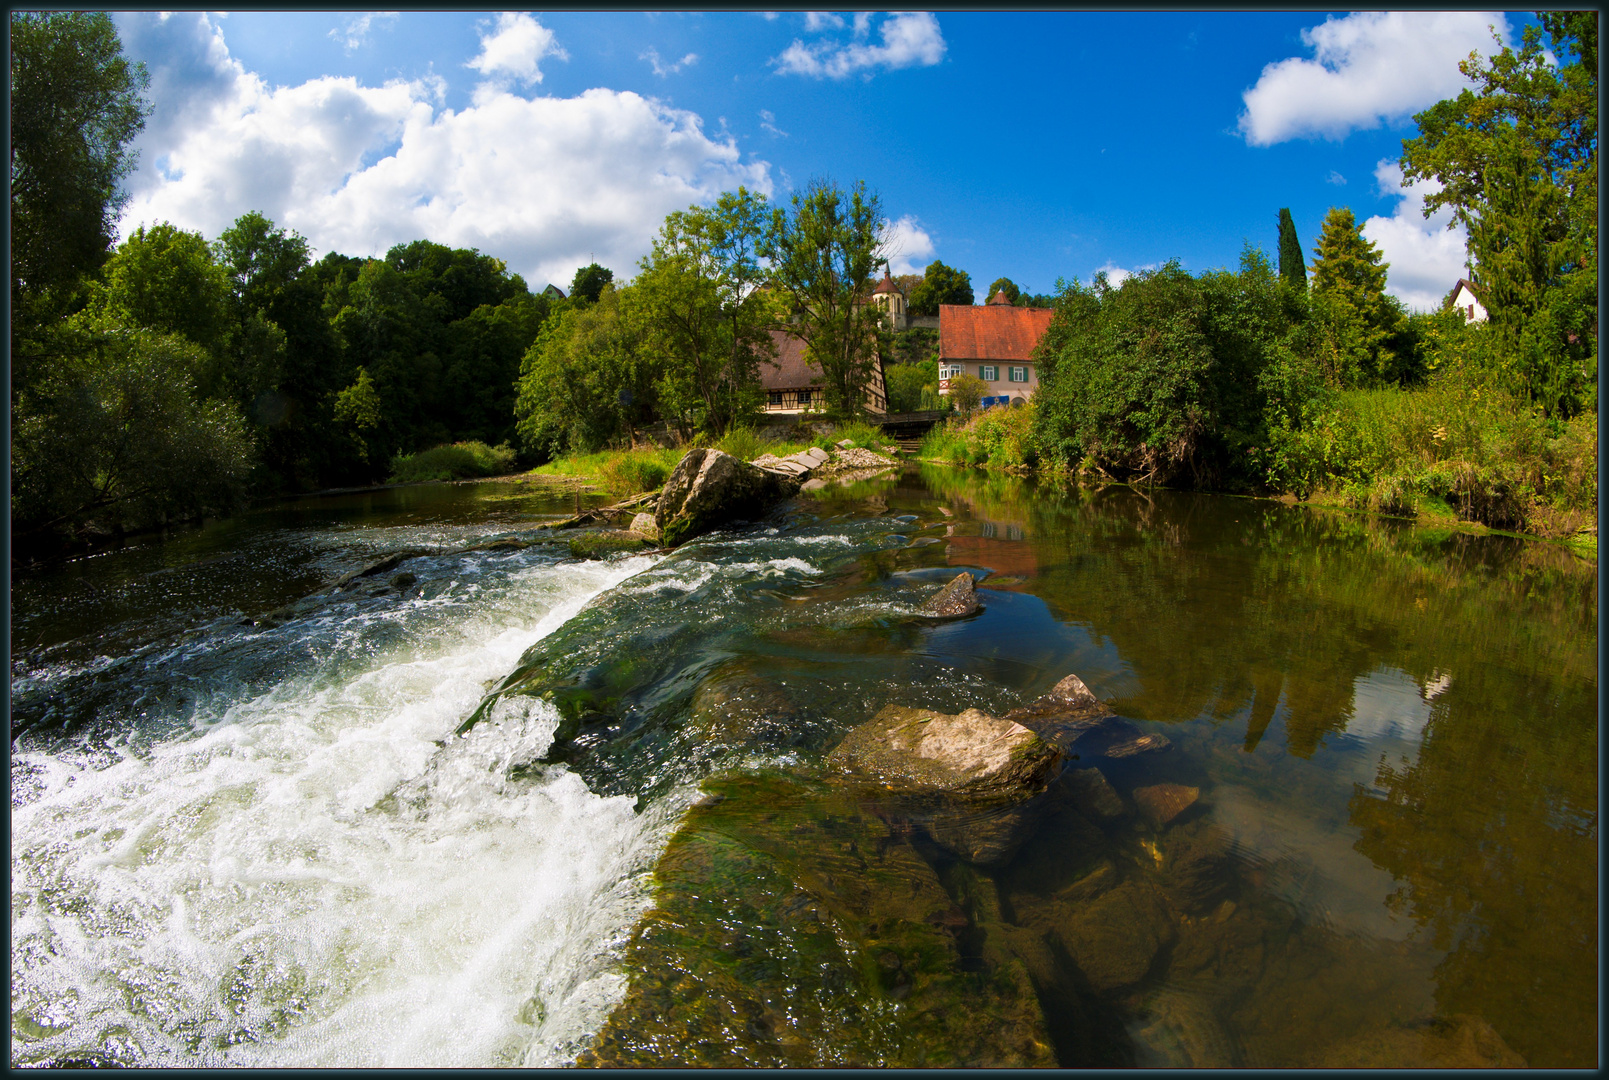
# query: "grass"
628, 472
455, 461
1000, 438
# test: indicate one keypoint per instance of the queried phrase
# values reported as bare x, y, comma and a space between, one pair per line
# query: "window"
951, 371
988, 372
804, 397
1019, 374
776, 399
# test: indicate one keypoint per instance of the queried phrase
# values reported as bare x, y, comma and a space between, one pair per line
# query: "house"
1466, 299
793, 384
995, 343
553, 292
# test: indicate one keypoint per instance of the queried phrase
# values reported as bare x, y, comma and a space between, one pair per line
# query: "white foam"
311, 880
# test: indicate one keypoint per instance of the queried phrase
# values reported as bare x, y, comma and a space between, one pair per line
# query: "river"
243, 841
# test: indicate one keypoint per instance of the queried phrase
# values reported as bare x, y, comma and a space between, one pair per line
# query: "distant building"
1465, 299
793, 384
554, 292
994, 343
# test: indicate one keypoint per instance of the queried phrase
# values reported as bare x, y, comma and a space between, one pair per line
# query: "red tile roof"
885, 286
791, 371
993, 332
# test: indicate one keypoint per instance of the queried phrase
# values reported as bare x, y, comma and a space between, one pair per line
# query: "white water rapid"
320, 874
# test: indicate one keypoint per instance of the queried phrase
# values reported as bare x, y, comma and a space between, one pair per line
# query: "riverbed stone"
709, 489
970, 753
1115, 937
1161, 803
957, 599
737, 705
1460, 1041
1063, 714
644, 524
787, 884
1093, 795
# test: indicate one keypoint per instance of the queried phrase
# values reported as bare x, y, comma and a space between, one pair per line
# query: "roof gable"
994, 332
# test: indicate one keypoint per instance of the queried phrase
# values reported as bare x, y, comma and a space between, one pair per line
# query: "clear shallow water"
260, 845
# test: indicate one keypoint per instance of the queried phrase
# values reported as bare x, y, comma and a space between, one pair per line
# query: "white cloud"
1114, 274
1334, 178
907, 245
663, 69
822, 20
515, 49
1368, 67
539, 183
768, 122
910, 39
355, 33
863, 23
1425, 256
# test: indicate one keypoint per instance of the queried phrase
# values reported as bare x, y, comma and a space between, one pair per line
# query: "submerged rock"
1114, 937
957, 599
1460, 1041
1095, 798
709, 488
1183, 1030
791, 927
1064, 714
1161, 803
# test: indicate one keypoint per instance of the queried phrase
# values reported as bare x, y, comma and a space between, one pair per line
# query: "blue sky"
1033, 145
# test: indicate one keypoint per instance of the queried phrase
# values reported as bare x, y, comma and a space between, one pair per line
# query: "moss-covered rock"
792, 927
709, 488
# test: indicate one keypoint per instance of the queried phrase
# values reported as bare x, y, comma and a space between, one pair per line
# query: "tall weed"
455, 461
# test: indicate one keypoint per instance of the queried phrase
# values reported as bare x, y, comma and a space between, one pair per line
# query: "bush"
457, 461
1001, 437
628, 473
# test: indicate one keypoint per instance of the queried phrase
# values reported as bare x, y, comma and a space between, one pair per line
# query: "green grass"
1000, 438
457, 461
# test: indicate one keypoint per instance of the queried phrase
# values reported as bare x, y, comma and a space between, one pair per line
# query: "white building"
1464, 298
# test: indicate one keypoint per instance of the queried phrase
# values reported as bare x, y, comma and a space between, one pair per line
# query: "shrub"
456, 461
630, 472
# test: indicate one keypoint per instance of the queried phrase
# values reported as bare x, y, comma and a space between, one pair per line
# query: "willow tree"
823, 257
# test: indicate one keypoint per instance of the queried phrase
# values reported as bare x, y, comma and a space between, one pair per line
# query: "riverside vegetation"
168, 377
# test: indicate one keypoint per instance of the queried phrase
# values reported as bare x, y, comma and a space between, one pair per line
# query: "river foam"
321, 874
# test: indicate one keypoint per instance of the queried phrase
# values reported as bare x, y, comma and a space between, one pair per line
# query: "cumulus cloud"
355, 33
907, 245
1425, 256
1367, 67
822, 20
910, 39
514, 49
539, 183
663, 69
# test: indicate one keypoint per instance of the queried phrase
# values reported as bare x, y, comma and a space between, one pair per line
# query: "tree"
589, 282
1517, 161
822, 260
1007, 286
940, 285
1292, 266
1350, 303
116, 433
703, 312
966, 393
75, 106
165, 279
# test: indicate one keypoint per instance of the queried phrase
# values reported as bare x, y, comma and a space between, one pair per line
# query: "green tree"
822, 259
115, 433
1350, 303
966, 393
165, 279
703, 313
1517, 161
589, 281
586, 381
905, 384
75, 106
1292, 265
940, 285
1007, 286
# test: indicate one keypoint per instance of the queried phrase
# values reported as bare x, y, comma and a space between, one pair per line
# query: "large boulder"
974, 783
709, 488
919, 751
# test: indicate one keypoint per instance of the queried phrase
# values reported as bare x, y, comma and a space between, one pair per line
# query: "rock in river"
709, 488
955, 600
972, 781
1161, 803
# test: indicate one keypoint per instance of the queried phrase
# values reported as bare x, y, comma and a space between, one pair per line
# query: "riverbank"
1427, 455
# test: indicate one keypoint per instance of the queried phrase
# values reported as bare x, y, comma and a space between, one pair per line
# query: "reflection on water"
1387, 856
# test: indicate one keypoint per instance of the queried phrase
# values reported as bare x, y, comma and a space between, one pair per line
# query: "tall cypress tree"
1291, 266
